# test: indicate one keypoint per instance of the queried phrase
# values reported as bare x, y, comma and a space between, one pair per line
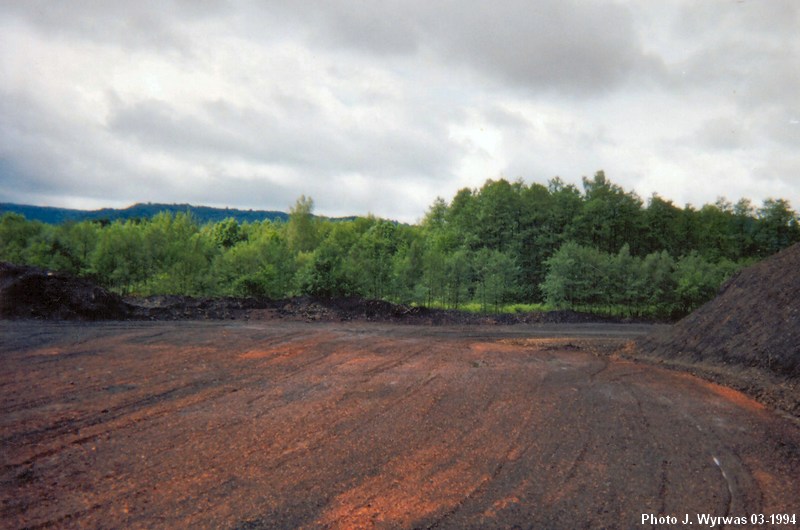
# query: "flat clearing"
355, 425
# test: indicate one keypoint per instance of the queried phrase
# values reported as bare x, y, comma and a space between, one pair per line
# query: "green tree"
621, 274
660, 224
227, 232
610, 217
326, 271
499, 211
371, 259
434, 274
461, 217
82, 239
302, 229
118, 260
495, 277
577, 276
407, 265
777, 226
697, 280
458, 277
177, 254
659, 288
16, 235
744, 229
715, 229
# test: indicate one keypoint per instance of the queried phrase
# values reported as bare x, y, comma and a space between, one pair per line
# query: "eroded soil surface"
353, 425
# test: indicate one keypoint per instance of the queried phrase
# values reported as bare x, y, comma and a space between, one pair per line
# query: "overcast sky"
381, 106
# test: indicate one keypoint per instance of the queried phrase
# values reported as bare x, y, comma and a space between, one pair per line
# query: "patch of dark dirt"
747, 337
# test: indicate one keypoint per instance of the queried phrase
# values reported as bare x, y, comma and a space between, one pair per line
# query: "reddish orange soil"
293, 425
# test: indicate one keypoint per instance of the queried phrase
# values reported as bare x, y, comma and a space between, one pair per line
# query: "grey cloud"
144, 24
560, 45
780, 127
311, 140
355, 102
753, 76
383, 27
773, 19
392, 27
780, 172
577, 47
723, 133
515, 121
157, 125
747, 51
48, 157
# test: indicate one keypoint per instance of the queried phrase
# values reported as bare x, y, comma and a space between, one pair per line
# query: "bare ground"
278, 424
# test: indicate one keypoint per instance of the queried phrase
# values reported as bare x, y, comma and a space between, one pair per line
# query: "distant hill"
204, 214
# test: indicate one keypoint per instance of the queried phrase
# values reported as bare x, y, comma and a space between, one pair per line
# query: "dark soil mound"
175, 307
753, 322
30, 292
355, 308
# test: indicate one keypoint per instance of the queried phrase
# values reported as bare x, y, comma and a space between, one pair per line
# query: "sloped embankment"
751, 328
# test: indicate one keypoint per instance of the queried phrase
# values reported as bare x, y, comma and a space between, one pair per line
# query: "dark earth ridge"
31, 292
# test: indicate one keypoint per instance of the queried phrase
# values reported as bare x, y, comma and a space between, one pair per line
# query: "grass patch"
476, 307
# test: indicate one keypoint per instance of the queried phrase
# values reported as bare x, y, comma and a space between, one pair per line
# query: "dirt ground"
279, 424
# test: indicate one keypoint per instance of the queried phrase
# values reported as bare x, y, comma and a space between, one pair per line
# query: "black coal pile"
31, 292
177, 307
753, 322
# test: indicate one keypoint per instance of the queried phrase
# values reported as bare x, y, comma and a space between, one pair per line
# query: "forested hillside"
138, 211
599, 249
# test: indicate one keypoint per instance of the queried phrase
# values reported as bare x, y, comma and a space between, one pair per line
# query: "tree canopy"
599, 249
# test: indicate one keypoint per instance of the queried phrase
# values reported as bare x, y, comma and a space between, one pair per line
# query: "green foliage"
302, 229
370, 259
609, 218
698, 280
581, 277
118, 259
503, 247
259, 264
16, 236
227, 233
495, 277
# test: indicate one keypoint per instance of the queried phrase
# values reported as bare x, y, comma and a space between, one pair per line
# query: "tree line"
599, 248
